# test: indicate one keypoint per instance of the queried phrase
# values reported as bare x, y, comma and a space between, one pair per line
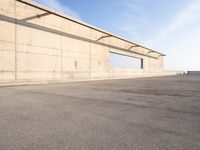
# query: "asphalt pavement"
161, 113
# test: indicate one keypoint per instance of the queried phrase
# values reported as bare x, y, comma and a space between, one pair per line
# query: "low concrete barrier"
193, 72
168, 73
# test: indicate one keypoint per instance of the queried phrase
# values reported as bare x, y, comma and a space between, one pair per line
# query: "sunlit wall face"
120, 61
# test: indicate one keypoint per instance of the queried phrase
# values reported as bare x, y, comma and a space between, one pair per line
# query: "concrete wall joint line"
15, 9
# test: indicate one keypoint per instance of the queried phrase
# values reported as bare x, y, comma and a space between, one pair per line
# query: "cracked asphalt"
161, 113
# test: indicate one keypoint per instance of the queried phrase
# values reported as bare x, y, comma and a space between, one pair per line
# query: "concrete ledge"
35, 82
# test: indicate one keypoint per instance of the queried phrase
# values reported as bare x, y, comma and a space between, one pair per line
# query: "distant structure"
39, 44
193, 72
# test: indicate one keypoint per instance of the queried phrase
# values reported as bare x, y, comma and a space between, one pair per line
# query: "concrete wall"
51, 48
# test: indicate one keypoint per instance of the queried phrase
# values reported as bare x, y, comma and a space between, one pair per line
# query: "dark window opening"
142, 64
99, 63
75, 64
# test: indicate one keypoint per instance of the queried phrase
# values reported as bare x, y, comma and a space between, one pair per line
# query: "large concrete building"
40, 44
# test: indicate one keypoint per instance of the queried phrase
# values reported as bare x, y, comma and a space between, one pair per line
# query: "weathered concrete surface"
135, 114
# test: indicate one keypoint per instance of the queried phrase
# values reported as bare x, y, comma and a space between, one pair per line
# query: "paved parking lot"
160, 113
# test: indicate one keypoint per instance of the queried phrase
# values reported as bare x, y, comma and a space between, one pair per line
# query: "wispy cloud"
130, 19
187, 16
57, 5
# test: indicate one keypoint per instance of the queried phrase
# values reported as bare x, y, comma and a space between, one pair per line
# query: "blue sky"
169, 26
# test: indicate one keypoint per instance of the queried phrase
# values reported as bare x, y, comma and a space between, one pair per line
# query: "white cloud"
55, 4
187, 16
180, 39
130, 19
